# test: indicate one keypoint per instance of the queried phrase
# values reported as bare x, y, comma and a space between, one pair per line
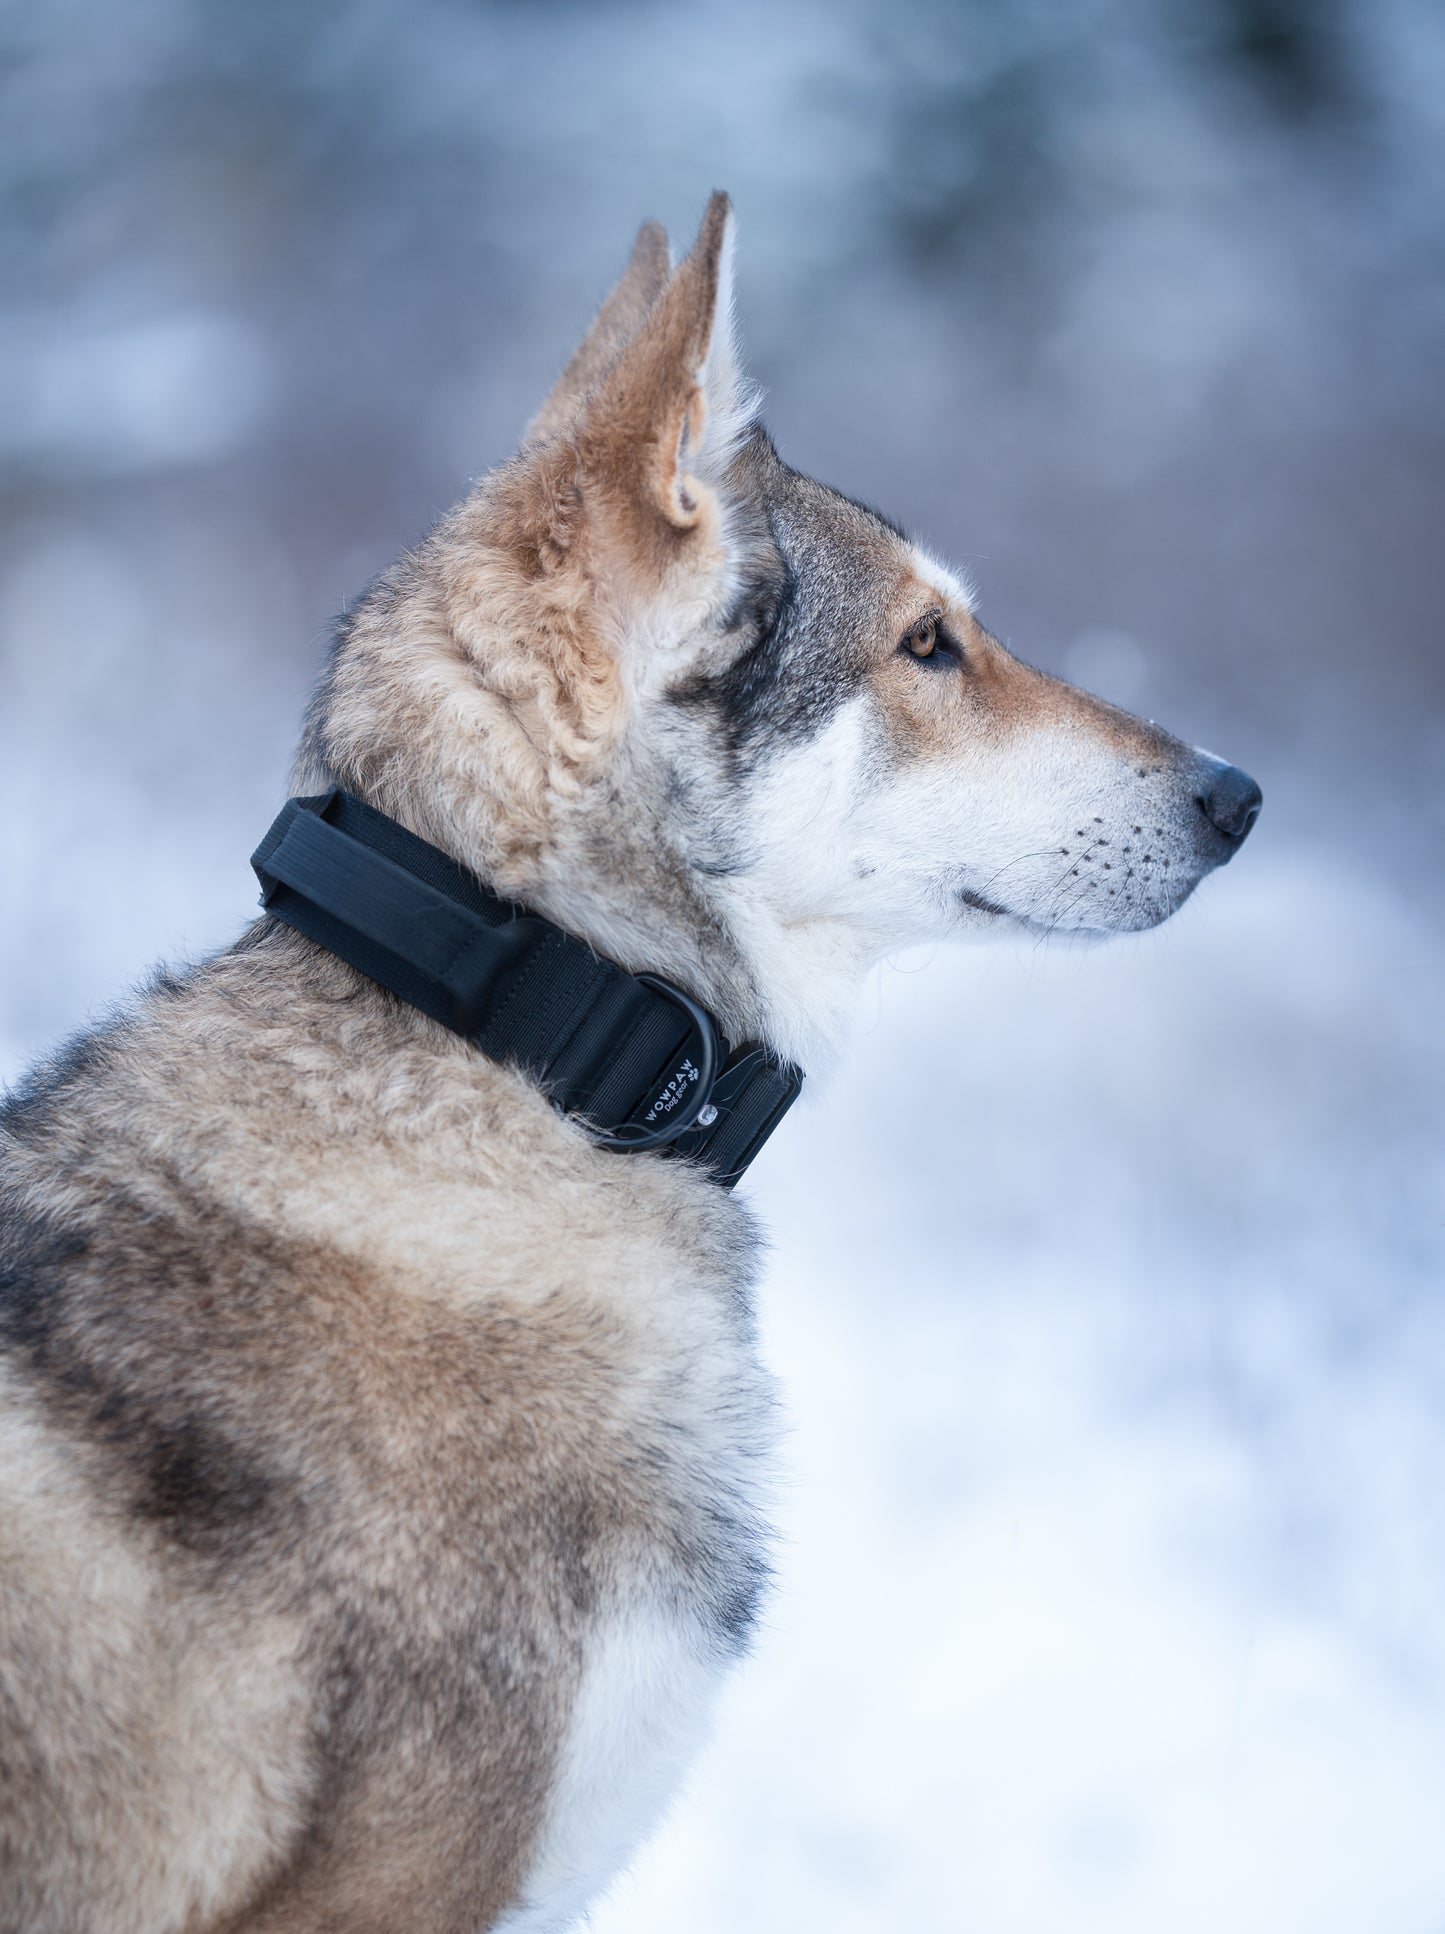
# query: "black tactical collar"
638, 1061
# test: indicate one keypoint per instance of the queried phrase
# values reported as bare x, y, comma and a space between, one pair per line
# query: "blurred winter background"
1108, 1283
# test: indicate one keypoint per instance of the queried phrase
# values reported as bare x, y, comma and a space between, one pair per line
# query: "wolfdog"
383, 1436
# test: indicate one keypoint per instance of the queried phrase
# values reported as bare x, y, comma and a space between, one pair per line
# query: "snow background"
1107, 1281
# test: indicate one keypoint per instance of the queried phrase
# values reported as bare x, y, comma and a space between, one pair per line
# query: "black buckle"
631, 1137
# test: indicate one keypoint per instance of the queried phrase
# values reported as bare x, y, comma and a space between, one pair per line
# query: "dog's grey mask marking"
800, 622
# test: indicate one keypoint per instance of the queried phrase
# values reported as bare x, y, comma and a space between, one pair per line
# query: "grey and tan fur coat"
382, 1463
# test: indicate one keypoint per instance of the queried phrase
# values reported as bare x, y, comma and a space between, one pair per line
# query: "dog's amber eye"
923, 638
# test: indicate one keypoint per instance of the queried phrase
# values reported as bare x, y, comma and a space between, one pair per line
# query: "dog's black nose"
1230, 801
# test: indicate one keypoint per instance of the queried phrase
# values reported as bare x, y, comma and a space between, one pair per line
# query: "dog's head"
727, 724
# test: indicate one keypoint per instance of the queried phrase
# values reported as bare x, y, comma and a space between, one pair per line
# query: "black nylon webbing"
606, 1045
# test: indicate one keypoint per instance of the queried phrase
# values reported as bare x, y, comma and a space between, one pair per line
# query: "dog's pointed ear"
614, 326
663, 423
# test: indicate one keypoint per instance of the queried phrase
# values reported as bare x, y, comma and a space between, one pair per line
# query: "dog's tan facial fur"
380, 1461
995, 697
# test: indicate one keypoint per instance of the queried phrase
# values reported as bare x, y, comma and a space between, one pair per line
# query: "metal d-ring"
706, 1031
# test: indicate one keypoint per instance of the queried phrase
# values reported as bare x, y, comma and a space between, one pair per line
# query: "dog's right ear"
616, 323
616, 500
658, 432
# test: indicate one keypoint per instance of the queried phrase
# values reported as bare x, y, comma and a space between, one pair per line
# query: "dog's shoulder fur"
381, 1393
381, 1462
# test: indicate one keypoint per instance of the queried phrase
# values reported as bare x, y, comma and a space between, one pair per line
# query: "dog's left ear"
613, 327
660, 429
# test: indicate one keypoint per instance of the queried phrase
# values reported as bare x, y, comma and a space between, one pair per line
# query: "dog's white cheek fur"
804, 911
855, 855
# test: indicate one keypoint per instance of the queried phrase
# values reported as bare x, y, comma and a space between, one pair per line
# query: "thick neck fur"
485, 694
273, 1096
